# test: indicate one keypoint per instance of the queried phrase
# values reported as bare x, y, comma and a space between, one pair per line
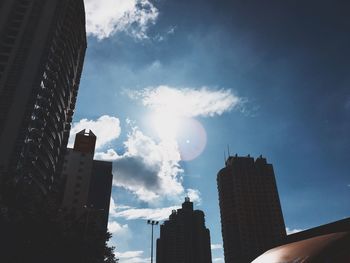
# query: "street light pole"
152, 223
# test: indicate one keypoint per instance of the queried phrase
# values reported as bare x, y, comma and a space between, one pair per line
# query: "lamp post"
152, 223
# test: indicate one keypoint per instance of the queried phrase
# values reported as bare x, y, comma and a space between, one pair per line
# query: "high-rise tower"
251, 215
184, 237
42, 49
88, 182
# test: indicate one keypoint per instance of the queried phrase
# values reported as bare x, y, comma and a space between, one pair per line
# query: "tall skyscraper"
251, 215
42, 49
88, 182
184, 237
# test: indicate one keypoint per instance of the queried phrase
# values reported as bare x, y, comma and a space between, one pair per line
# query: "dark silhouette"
43, 46
325, 243
42, 49
184, 237
320, 249
251, 216
43, 239
333, 227
88, 183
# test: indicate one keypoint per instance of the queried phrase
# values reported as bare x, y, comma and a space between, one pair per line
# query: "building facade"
251, 215
42, 49
184, 237
88, 182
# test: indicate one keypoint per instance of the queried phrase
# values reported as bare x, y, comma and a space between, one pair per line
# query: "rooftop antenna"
224, 157
228, 150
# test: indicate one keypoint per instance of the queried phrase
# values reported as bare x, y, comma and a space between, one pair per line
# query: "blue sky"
168, 80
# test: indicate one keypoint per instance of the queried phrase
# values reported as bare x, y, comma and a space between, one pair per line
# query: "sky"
168, 85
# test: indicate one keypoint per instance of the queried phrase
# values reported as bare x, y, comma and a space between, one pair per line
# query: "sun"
166, 125
188, 133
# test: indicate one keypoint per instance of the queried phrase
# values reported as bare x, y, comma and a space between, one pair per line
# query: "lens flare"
192, 139
188, 133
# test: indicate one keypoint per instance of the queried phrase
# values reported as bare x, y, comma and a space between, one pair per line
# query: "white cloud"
106, 129
188, 102
115, 228
151, 169
135, 260
216, 246
165, 36
292, 231
113, 207
110, 155
218, 260
148, 169
131, 257
171, 30
194, 195
104, 18
129, 254
147, 213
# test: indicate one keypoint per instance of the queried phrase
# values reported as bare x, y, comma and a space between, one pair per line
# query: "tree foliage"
33, 231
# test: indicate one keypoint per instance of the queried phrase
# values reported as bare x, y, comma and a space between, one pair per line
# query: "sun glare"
166, 125
188, 133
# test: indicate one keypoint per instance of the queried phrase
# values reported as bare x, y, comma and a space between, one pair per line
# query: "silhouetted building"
251, 216
184, 237
88, 182
100, 189
42, 49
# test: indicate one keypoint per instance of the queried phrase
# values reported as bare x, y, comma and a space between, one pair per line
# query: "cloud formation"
129, 254
194, 195
104, 18
132, 213
215, 246
106, 128
115, 228
148, 169
109, 155
292, 231
113, 207
131, 257
158, 214
188, 102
